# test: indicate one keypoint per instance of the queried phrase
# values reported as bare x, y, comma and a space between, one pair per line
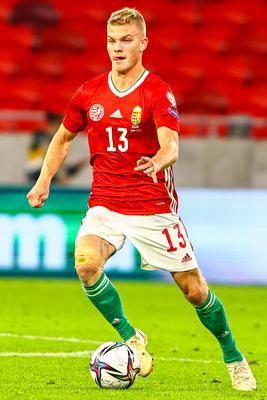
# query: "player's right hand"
37, 196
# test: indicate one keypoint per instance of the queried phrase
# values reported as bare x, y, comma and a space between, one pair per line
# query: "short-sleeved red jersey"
122, 127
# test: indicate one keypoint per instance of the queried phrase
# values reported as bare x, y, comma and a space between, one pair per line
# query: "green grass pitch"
188, 363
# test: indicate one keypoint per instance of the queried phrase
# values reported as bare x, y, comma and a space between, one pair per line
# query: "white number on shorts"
182, 242
123, 139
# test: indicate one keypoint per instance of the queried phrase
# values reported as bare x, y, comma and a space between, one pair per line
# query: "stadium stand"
213, 53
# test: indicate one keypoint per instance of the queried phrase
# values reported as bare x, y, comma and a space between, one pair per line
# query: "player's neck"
123, 81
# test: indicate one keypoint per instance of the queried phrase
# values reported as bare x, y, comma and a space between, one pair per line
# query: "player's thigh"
93, 250
163, 243
97, 239
100, 222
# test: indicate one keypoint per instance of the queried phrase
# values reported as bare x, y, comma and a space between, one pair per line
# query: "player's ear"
143, 44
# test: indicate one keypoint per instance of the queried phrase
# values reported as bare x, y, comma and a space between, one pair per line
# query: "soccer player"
132, 124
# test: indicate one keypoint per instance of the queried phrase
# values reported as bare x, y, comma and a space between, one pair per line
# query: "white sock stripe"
88, 290
100, 291
210, 303
101, 284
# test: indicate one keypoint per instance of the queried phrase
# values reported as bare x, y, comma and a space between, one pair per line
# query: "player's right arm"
56, 154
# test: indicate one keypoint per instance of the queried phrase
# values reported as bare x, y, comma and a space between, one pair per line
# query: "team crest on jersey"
96, 112
171, 98
136, 115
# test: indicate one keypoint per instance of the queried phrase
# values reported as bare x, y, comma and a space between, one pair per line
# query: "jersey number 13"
123, 145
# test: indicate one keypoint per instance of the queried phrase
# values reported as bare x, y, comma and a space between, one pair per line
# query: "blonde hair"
126, 16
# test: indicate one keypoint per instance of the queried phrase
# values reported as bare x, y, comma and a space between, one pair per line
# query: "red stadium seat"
237, 13
177, 13
84, 68
204, 102
55, 96
8, 65
257, 99
37, 14
99, 12
235, 70
174, 39
62, 40
20, 38
219, 39
20, 94
5, 8
235, 93
254, 44
42, 66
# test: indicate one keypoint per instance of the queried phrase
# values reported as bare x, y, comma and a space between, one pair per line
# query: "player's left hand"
148, 166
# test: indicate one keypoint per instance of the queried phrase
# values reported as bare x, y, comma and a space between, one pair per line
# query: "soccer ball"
114, 366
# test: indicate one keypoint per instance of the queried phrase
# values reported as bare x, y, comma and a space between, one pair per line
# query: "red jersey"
122, 127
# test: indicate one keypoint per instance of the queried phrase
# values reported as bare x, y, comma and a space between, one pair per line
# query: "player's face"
125, 44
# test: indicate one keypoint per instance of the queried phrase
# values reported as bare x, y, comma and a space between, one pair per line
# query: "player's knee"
88, 262
85, 272
196, 295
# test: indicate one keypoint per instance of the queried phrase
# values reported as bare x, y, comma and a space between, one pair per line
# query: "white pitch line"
85, 353
79, 354
70, 354
53, 339
88, 353
189, 360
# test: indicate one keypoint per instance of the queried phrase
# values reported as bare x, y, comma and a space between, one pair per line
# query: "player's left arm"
166, 155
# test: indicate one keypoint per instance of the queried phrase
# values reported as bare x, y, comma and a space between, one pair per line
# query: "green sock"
213, 317
106, 299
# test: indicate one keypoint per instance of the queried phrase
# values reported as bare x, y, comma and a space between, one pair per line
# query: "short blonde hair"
127, 15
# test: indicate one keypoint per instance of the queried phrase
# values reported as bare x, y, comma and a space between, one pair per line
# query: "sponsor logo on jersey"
96, 112
116, 114
136, 115
173, 111
171, 98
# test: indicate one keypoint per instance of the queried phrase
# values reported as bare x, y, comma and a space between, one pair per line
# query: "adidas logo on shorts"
186, 258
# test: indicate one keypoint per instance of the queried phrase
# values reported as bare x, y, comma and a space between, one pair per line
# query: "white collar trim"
128, 91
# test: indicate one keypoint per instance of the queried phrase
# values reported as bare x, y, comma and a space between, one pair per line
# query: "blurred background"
214, 55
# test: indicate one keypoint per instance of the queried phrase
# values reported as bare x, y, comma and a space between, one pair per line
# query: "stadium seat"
205, 102
42, 66
35, 13
175, 39
20, 94
234, 69
63, 40
55, 96
83, 68
235, 93
255, 43
257, 99
8, 65
16, 37
99, 12
177, 13
225, 12
5, 8
218, 39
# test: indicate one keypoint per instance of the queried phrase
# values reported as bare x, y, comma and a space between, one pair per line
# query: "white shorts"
161, 239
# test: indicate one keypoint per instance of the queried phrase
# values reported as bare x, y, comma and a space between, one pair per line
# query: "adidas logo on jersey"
186, 258
116, 114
